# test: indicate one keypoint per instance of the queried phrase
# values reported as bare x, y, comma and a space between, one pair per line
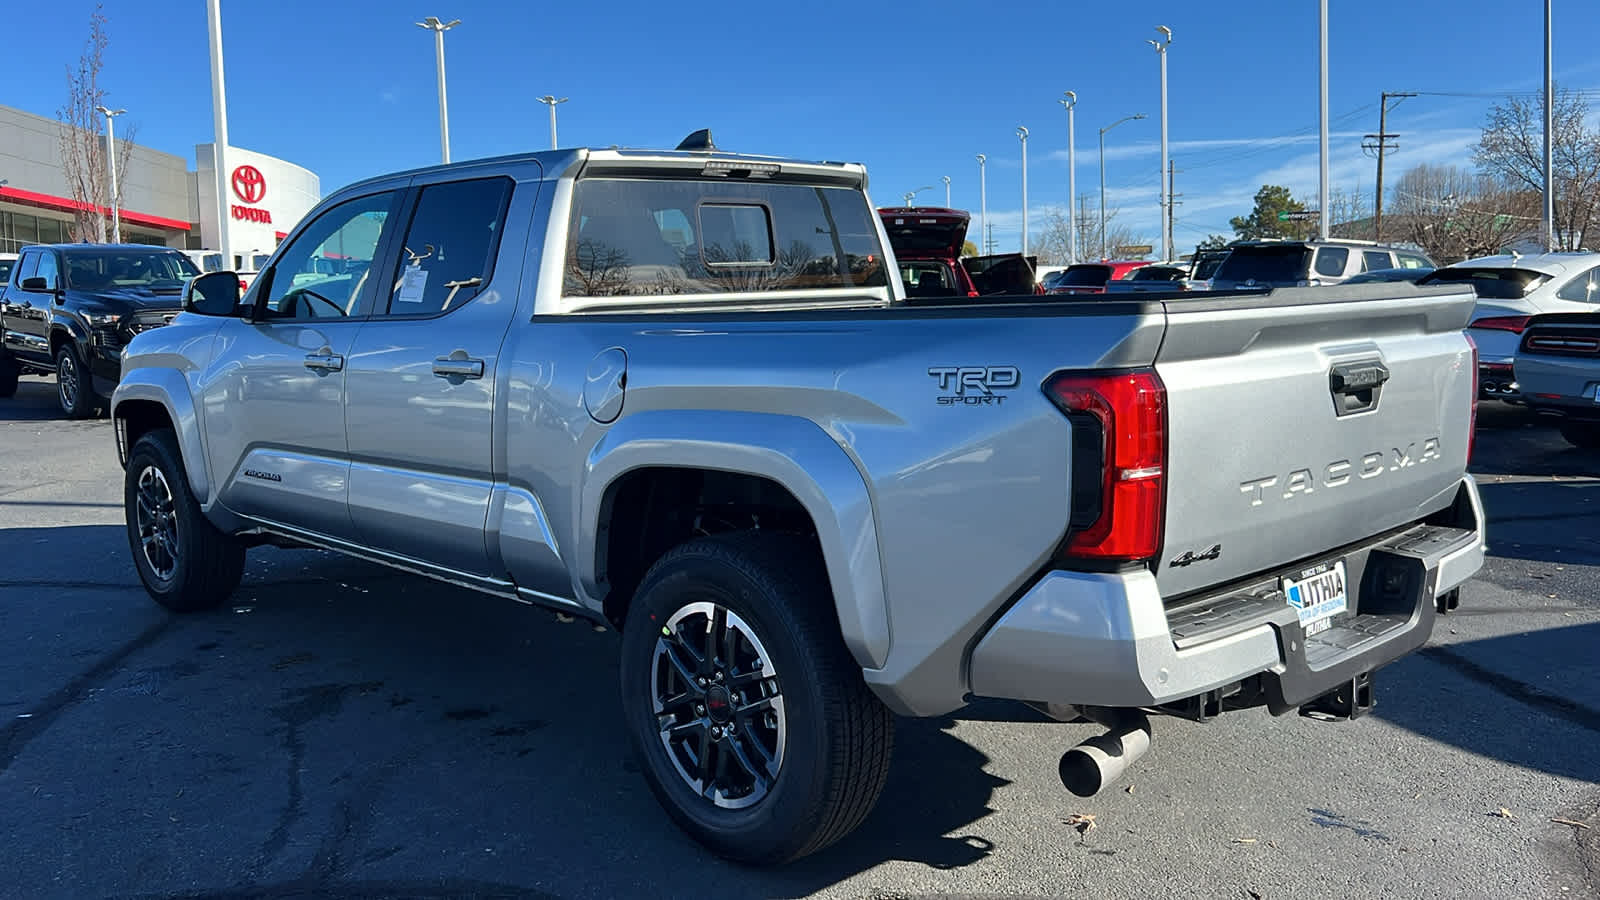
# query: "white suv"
1267, 264
1511, 289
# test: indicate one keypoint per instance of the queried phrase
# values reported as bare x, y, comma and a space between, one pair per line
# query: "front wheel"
74, 388
755, 729
186, 564
1582, 434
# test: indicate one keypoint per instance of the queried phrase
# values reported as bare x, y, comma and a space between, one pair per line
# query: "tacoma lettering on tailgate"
1341, 472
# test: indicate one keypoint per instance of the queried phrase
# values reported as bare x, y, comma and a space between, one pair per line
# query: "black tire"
203, 565
74, 385
9, 370
838, 737
1582, 434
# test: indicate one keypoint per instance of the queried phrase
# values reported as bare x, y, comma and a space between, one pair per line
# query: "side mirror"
35, 283
212, 294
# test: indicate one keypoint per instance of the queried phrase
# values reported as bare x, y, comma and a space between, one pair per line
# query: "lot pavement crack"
1560, 707
16, 735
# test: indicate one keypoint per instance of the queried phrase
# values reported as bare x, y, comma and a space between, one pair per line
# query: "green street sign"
1310, 215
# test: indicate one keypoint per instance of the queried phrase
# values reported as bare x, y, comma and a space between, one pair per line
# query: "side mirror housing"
35, 283
212, 294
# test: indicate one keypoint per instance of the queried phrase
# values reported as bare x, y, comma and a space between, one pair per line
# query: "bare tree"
1454, 214
1512, 150
83, 145
1347, 212
1051, 243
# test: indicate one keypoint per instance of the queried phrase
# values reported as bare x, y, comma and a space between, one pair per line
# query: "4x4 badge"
1190, 557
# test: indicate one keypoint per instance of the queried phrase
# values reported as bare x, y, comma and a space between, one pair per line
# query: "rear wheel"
1582, 434
74, 388
756, 731
186, 564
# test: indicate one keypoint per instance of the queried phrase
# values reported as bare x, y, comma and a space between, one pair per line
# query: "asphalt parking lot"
339, 730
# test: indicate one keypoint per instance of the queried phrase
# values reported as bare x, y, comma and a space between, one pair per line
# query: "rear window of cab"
634, 237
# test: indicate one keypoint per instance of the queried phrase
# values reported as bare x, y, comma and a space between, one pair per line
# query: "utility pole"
1380, 143
1072, 172
1172, 201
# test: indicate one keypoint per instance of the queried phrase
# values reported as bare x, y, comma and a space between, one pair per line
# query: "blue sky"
914, 91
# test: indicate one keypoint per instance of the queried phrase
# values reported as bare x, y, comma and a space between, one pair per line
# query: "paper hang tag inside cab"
412, 284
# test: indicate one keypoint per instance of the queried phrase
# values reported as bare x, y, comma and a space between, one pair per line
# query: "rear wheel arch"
788, 457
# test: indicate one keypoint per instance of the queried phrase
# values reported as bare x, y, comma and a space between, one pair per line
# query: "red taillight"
1129, 407
1513, 324
1472, 418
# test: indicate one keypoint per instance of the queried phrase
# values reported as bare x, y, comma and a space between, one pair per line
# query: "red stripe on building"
64, 204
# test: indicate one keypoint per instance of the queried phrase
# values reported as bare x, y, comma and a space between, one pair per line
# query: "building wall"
154, 183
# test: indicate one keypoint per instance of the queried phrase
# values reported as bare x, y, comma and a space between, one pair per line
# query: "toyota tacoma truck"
681, 393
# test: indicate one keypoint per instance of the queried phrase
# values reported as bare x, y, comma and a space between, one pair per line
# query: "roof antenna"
700, 140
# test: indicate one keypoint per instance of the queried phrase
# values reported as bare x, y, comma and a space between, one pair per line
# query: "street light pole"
983, 198
219, 119
1166, 233
1549, 216
909, 194
1022, 134
1104, 254
1071, 104
551, 101
946, 179
1322, 115
438, 28
111, 160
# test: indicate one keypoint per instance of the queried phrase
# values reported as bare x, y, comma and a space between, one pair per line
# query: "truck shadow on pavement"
1544, 521
1457, 694
338, 728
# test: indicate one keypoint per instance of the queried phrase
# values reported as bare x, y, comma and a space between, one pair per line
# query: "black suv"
70, 308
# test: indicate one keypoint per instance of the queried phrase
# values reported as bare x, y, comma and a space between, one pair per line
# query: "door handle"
326, 362
450, 367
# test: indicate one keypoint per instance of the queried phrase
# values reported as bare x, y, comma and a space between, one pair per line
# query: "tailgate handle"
1356, 386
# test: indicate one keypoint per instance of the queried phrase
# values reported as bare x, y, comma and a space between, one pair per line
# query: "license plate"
1317, 595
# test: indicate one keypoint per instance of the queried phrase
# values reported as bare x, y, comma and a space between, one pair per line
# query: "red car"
927, 242
1091, 278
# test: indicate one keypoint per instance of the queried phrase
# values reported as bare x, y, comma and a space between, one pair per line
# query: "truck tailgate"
1306, 419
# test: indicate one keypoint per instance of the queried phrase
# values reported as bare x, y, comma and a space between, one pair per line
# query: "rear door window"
1332, 260
630, 237
449, 247
1413, 261
1584, 289
1268, 265
1373, 260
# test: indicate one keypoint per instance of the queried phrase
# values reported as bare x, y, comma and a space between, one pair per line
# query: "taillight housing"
1117, 511
1472, 418
1513, 324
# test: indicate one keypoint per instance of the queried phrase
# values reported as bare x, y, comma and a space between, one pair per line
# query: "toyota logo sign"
249, 184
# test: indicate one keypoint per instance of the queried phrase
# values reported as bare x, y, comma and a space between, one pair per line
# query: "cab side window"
1331, 260
27, 264
1584, 289
449, 248
48, 271
323, 273
1373, 260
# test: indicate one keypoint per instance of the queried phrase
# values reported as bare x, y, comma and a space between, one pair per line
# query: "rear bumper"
1108, 639
1567, 387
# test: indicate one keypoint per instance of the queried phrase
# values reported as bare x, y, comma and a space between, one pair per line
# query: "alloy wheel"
157, 518
67, 381
718, 704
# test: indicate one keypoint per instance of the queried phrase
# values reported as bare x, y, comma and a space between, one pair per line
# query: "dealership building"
164, 200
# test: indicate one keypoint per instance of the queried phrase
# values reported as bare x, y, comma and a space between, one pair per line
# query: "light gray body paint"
933, 519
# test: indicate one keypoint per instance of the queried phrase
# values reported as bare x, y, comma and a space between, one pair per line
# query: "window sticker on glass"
413, 284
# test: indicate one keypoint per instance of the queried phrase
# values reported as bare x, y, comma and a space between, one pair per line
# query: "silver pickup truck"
680, 393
